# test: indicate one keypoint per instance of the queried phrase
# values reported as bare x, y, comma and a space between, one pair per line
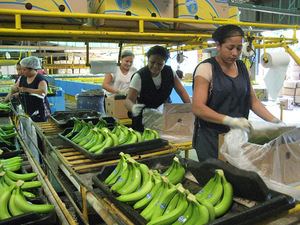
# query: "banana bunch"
9, 178
13, 202
149, 134
7, 132
217, 192
76, 128
12, 164
103, 138
4, 106
175, 173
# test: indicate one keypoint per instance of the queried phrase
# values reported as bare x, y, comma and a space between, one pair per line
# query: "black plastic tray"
5, 113
63, 118
247, 185
111, 152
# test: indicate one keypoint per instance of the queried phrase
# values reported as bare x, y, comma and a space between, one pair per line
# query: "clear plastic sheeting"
173, 122
28, 132
277, 161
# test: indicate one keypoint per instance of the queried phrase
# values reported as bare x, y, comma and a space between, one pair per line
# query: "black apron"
229, 96
150, 95
32, 105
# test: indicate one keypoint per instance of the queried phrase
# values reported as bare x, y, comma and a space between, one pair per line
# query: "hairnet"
31, 62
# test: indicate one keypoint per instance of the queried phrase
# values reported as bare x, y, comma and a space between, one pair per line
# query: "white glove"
124, 93
239, 123
136, 109
278, 121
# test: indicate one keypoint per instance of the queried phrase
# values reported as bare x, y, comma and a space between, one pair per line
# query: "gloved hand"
278, 121
124, 93
136, 109
239, 123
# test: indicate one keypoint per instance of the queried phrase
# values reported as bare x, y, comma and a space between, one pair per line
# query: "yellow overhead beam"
138, 35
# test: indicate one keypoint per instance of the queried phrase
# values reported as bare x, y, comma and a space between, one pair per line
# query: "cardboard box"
297, 99
68, 6
288, 91
146, 8
201, 10
174, 122
287, 103
297, 92
221, 141
234, 13
262, 94
115, 107
290, 83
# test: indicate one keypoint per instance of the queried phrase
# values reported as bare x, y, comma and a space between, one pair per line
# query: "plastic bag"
173, 122
277, 162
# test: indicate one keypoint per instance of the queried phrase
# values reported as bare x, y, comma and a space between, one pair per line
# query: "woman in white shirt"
118, 83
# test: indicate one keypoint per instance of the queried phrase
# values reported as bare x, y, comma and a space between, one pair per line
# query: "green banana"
14, 210
115, 138
76, 128
144, 169
216, 193
11, 160
148, 211
135, 182
168, 171
149, 196
173, 203
4, 199
112, 178
29, 194
186, 215
16, 176
22, 204
92, 140
163, 202
108, 142
210, 208
123, 178
82, 133
205, 191
139, 136
132, 138
7, 127
203, 216
87, 138
222, 207
172, 216
122, 136
140, 193
177, 174
116, 129
26, 185
156, 134
101, 123
130, 177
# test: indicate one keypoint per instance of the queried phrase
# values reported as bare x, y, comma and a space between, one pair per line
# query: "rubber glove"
136, 109
278, 121
119, 92
239, 123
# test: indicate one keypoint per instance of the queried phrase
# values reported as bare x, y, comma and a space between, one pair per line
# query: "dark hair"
227, 31
159, 50
18, 63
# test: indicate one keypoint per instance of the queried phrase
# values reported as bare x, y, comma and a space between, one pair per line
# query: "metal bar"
138, 18
39, 170
84, 205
